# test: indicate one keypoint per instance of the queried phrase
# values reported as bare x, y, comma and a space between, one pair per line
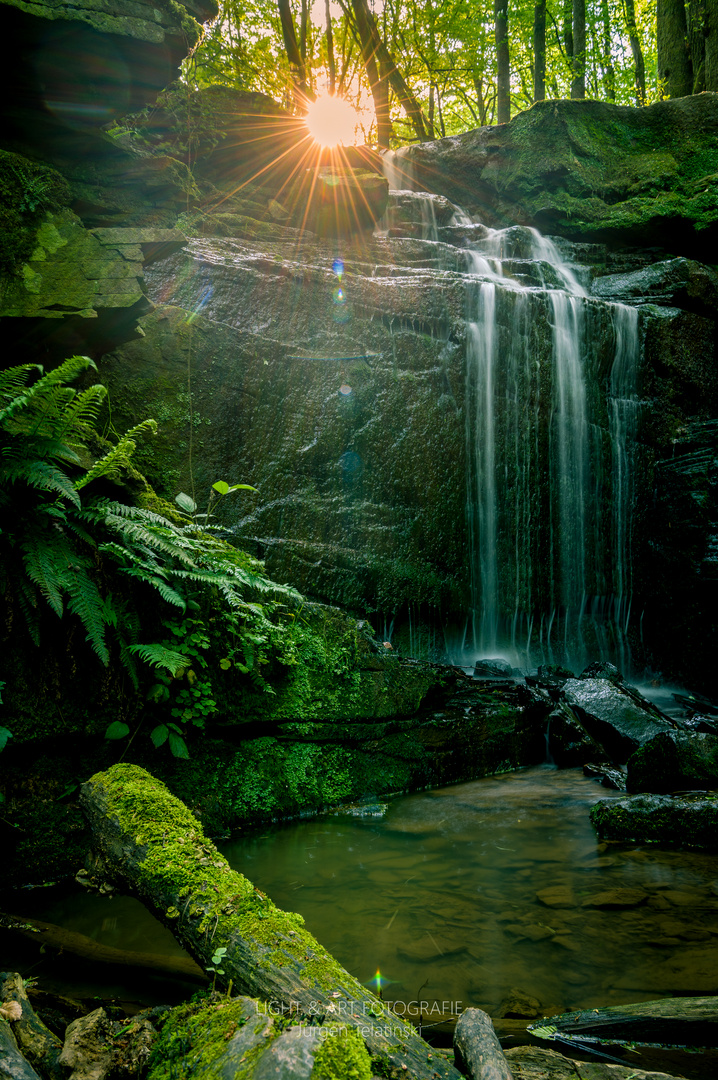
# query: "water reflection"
467, 892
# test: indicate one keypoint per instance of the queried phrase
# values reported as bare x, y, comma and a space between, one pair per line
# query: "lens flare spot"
345, 390
332, 121
340, 297
338, 268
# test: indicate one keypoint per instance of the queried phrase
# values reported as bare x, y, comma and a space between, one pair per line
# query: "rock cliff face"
341, 373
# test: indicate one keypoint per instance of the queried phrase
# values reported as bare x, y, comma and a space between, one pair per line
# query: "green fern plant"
66, 549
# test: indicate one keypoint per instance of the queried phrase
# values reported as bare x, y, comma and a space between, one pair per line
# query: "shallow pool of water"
458, 895
466, 893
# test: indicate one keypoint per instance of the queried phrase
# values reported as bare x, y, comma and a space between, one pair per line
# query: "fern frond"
116, 459
159, 656
40, 475
65, 373
27, 601
15, 379
80, 417
45, 557
166, 591
84, 600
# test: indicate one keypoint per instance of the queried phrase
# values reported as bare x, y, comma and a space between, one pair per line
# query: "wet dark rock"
77, 65
587, 170
569, 742
684, 821
672, 761
96, 1047
557, 896
620, 720
492, 669
601, 669
608, 776
478, 1052
680, 283
555, 673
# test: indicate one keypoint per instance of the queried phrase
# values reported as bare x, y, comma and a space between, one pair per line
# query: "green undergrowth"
27, 192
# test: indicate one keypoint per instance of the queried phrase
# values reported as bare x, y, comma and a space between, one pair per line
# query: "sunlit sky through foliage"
445, 51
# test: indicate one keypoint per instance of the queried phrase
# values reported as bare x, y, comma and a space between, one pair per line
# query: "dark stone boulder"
619, 720
78, 65
493, 669
569, 743
601, 669
674, 762
685, 821
587, 170
681, 283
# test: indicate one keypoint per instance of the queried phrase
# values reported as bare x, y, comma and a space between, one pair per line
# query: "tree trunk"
697, 22
294, 56
147, 840
540, 50
37, 1043
711, 45
378, 85
503, 66
391, 72
675, 76
578, 82
639, 66
568, 33
331, 63
609, 72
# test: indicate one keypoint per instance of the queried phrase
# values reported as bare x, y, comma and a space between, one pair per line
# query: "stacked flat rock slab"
75, 271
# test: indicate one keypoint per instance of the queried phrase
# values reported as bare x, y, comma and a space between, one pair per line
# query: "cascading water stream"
549, 447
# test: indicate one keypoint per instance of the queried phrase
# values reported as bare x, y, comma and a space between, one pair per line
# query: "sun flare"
332, 121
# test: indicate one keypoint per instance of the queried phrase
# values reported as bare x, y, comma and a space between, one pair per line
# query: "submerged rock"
672, 761
684, 821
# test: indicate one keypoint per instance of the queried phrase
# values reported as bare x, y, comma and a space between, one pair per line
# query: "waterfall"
550, 416
624, 424
570, 463
549, 509
481, 495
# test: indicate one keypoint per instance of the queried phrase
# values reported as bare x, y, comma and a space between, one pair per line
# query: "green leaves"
225, 489
159, 656
117, 730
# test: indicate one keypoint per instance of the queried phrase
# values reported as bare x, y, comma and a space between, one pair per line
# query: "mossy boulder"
674, 762
588, 170
683, 821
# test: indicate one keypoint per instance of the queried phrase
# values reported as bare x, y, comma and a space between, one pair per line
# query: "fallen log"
36, 1042
151, 843
12, 1064
670, 1023
478, 1050
44, 933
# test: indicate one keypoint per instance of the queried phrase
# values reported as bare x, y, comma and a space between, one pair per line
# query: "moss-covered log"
151, 843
